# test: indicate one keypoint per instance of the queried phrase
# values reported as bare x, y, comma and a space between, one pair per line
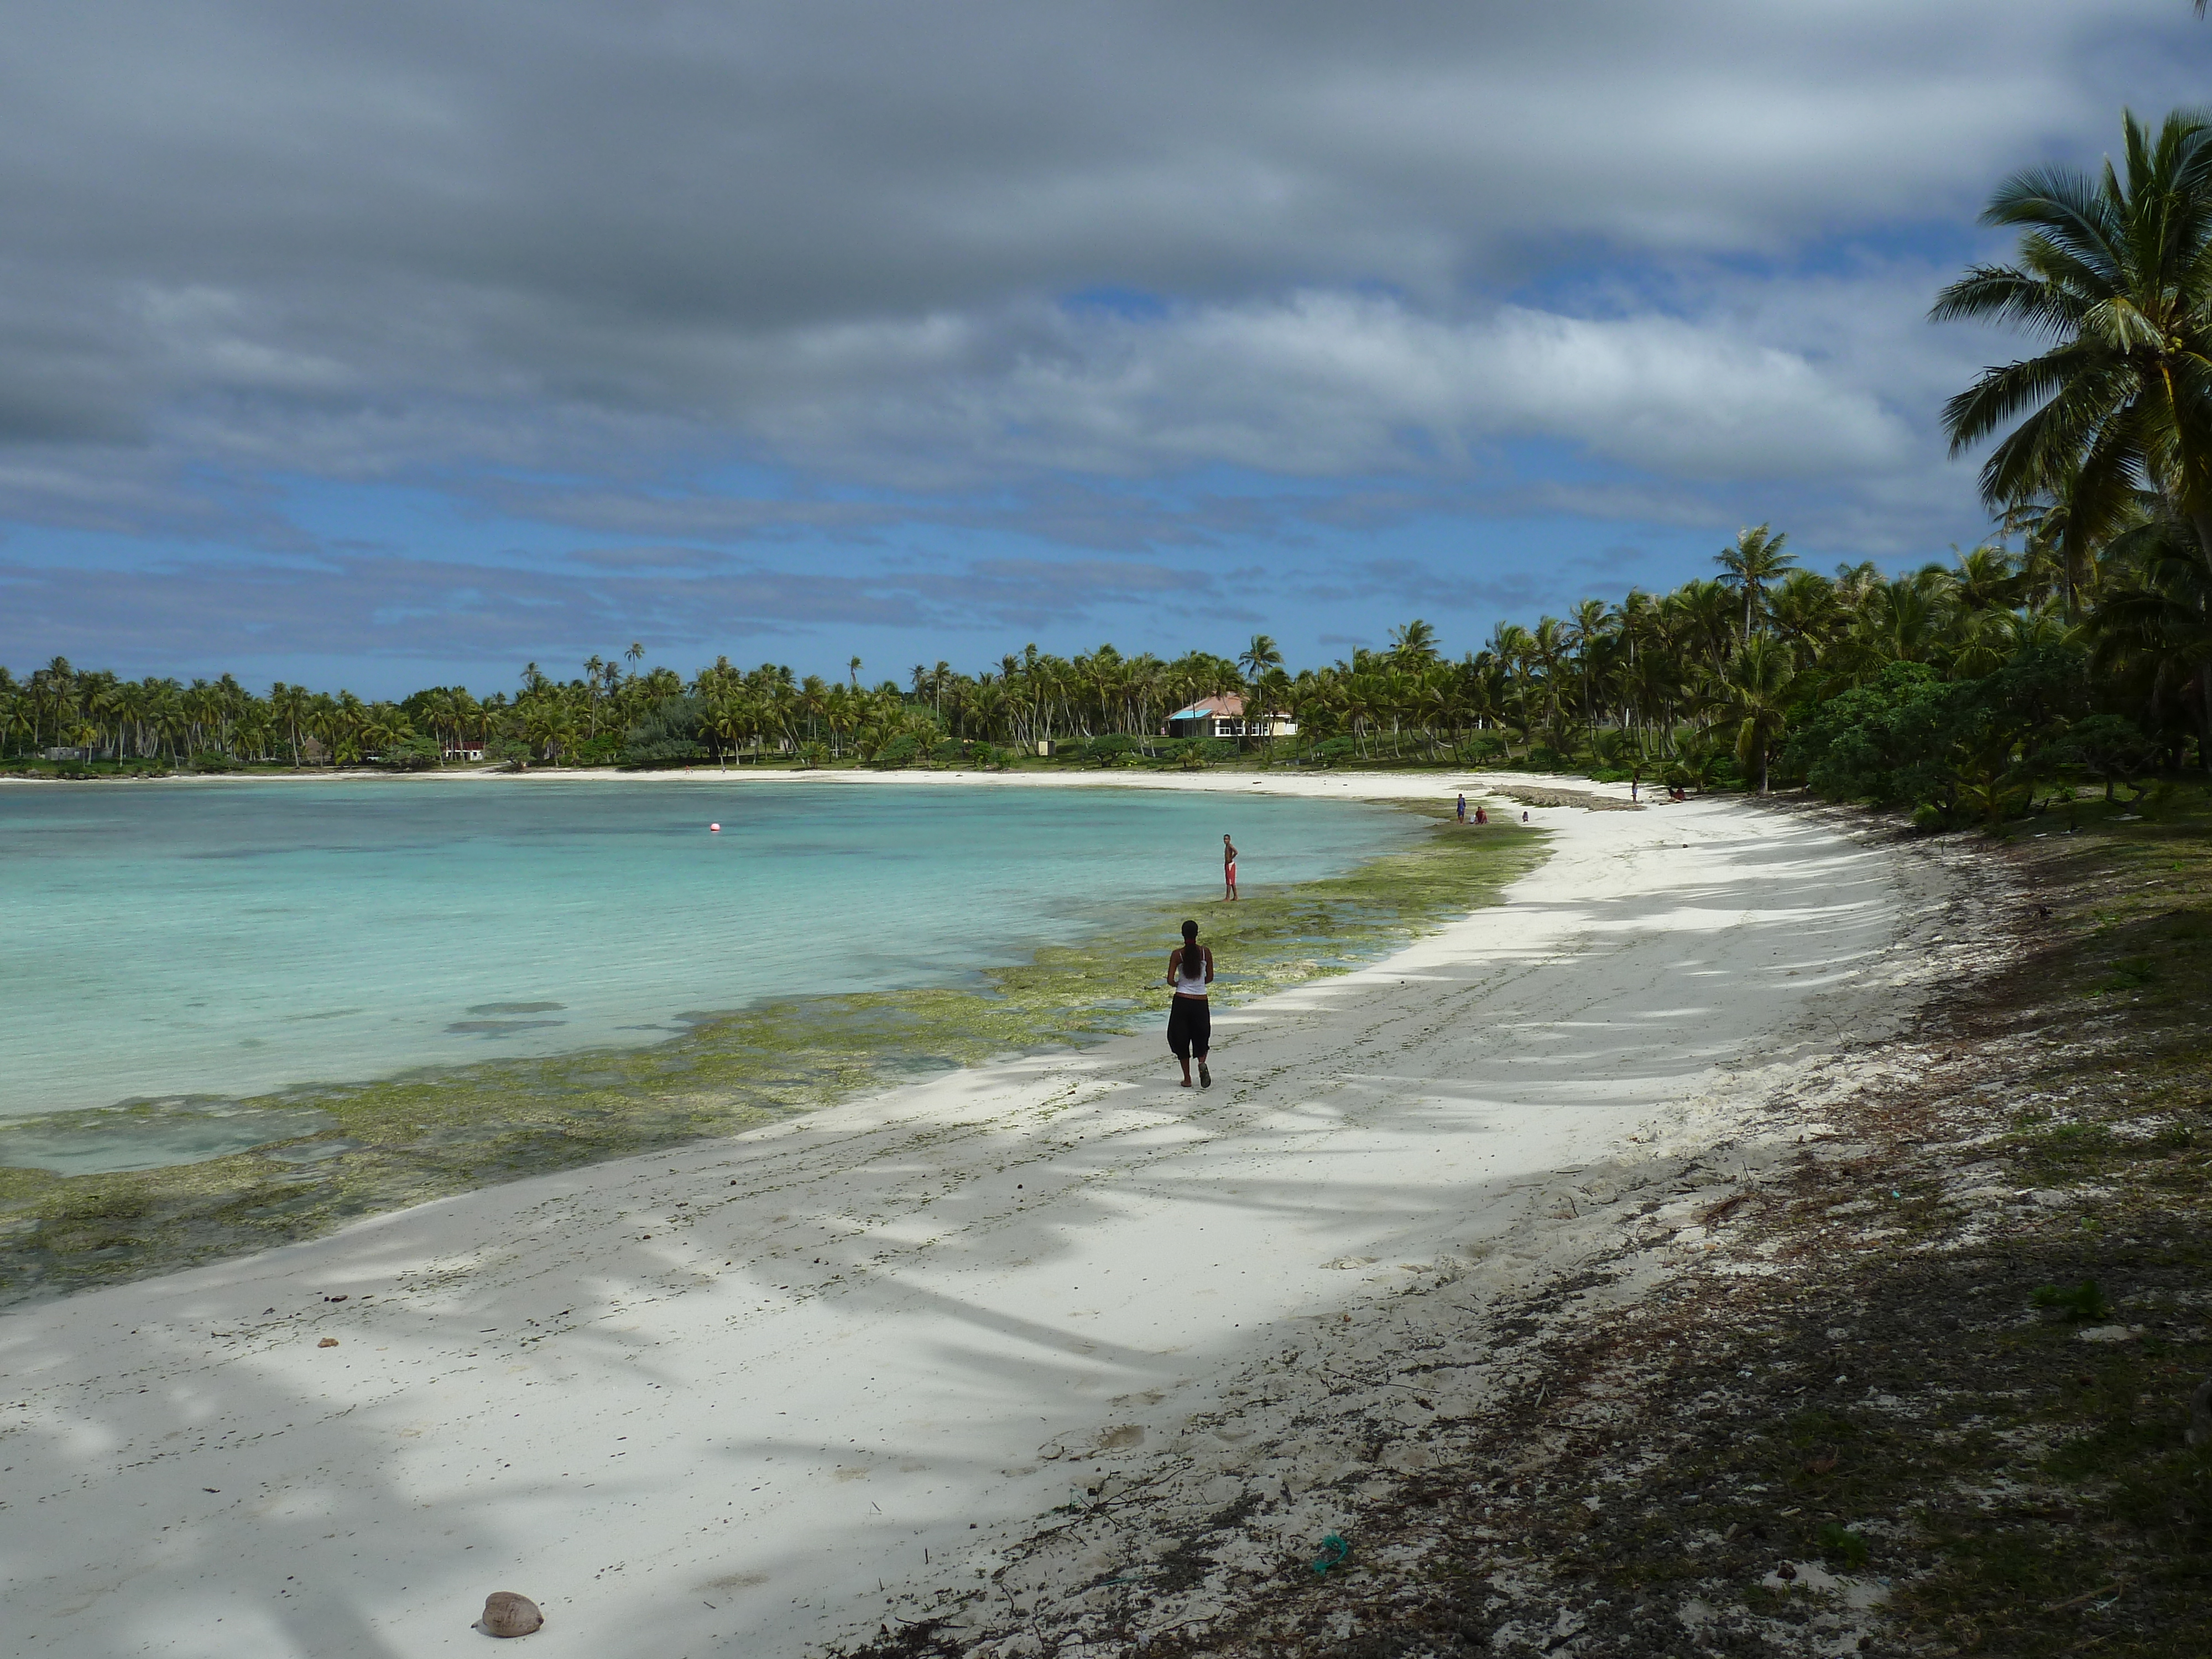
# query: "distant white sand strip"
764, 1394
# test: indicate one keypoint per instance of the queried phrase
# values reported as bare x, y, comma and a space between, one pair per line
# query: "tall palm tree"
1752, 565
289, 704
2115, 274
731, 721
2159, 616
1414, 643
1759, 682
1260, 655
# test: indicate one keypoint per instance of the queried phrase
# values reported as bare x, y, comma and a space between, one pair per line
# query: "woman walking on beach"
1229, 864
1190, 1017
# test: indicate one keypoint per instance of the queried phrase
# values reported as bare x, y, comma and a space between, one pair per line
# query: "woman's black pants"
1190, 1022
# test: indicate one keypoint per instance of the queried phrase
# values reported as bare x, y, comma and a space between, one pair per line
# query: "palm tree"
1547, 650
1588, 629
551, 727
289, 704
730, 720
2160, 617
2117, 275
1759, 684
1414, 643
1752, 565
1260, 655
593, 666
383, 728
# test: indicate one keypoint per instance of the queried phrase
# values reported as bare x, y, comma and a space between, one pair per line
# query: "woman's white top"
1187, 982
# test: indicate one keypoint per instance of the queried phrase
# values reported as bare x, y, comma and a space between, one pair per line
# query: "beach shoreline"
307, 1156
723, 1392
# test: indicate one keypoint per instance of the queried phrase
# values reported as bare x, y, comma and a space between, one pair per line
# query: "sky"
400, 344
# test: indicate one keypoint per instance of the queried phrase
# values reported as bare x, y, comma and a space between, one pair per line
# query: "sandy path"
758, 1393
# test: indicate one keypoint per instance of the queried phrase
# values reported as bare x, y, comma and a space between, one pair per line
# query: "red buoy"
714, 829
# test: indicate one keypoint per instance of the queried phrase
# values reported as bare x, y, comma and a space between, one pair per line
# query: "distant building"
464, 751
68, 754
1224, 717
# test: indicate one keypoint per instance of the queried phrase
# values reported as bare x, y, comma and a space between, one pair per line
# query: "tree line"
2073, 647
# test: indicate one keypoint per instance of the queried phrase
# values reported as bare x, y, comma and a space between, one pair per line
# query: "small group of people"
1481, 815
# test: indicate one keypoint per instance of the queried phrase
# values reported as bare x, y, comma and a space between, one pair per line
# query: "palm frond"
2066, 271
2073, 214
2042, 454
2005, 293
2005, 391
2121, 326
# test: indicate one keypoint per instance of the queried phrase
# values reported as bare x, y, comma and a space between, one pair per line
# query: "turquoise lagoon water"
223, 939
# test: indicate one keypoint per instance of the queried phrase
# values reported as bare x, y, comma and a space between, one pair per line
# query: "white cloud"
1320, 385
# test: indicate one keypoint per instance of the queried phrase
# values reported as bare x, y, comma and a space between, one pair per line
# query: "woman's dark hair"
1190, 932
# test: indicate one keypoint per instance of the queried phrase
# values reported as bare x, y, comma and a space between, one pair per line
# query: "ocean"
207, 941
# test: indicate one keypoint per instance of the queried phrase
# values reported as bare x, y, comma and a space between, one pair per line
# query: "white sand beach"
764, 1396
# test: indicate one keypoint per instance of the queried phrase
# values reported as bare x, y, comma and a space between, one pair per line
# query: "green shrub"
2083, 1303
1838, 1543
416, 754
661, 751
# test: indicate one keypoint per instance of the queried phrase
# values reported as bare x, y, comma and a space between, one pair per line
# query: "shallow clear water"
233, 938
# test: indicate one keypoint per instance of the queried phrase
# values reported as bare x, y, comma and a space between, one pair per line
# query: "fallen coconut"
507, 1614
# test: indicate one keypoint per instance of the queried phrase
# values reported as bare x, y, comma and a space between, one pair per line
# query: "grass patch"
2078, 1302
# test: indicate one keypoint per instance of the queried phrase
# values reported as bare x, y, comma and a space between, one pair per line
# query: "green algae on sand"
404, 1140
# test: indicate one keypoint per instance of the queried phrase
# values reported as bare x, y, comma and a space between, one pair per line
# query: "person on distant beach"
1481, 816
1228, 865
1190, 1016
1462, 809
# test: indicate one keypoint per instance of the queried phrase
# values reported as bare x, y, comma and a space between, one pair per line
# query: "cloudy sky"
393, 343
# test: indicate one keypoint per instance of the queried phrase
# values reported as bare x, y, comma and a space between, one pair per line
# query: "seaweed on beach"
407, 1140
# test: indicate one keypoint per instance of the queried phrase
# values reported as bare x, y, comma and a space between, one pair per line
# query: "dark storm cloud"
768, 214
1010, 268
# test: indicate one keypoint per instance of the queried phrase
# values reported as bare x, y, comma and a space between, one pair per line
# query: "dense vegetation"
2074, 650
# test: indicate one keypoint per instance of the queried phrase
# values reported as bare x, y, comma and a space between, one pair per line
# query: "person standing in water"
1229, 866
1190, 1016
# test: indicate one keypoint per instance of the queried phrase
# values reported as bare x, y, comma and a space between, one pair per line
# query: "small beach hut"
1223, 717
